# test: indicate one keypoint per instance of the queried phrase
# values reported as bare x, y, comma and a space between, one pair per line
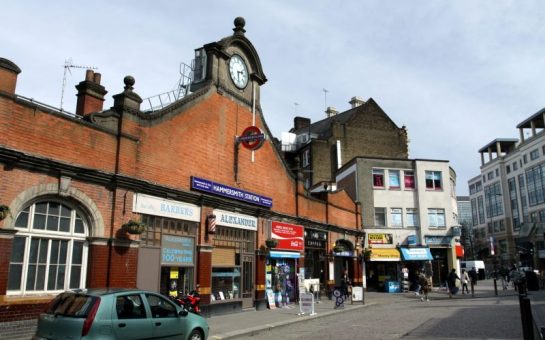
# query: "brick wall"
122, 271
5, 255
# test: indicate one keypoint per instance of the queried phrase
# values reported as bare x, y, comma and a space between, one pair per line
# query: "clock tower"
231, 65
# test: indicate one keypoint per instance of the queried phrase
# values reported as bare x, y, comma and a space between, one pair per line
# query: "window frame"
434, 214
29, 234
432, 182
383, 214
396, 218
394, 175
376, 174
413, 212
408, 175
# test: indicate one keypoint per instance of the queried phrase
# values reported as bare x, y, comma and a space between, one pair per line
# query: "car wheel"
195, 335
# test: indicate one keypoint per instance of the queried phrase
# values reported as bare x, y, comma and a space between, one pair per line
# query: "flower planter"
134, 227
271, 243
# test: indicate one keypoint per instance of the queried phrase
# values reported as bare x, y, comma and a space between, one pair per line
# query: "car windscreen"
72, 305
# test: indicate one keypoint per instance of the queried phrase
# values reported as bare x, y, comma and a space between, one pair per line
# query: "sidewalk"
252, 321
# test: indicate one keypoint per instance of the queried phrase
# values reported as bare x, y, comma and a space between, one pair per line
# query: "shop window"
378, 178
408, 179
225, 283
157, 226
49, 251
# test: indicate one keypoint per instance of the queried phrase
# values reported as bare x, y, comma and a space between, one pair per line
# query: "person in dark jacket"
451, 281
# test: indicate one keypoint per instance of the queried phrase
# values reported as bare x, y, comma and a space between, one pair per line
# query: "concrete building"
508, 200
409, 214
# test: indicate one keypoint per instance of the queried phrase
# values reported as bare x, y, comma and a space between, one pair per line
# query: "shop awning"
416, 254
384, 254
284, 254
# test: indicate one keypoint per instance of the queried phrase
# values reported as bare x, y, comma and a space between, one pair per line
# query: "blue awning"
416, 254
284, 254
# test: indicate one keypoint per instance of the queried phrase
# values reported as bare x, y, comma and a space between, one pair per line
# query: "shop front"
282, 264
414, 260
382, 265
166, 258
443, 259
316, 256
233, 261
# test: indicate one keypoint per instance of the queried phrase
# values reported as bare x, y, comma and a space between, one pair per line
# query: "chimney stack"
331, 111
300, 123
90, 94
8, 76
356, 101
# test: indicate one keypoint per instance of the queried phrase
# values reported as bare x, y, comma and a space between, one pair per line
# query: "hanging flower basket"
4, 212
134, 227
271, 243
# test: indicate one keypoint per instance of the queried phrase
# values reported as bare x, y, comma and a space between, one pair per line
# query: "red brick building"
209, 191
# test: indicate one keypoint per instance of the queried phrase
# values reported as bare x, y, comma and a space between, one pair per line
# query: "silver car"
118, 314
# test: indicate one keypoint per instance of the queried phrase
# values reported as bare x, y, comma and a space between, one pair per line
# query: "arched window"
49, 252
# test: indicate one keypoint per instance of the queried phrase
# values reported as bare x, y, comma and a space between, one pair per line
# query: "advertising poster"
289, 236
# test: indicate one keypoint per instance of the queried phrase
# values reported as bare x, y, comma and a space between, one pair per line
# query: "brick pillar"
204, 272
260, 263
122, 262
6, 246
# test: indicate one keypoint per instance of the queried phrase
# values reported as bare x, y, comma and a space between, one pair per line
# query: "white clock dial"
238, 71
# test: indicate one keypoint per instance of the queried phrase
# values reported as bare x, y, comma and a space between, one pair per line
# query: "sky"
457, 74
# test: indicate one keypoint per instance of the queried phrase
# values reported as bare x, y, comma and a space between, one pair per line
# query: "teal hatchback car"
118, 314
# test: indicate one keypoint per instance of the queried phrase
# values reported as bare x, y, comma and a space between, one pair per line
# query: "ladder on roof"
164, 99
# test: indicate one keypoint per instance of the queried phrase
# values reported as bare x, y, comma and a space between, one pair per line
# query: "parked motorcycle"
191, 301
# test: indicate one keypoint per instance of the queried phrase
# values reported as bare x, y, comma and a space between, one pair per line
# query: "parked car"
118, 314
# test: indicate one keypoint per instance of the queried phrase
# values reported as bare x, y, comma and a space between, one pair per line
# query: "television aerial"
67, 66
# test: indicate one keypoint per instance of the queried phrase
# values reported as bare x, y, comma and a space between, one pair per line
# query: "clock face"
238, 71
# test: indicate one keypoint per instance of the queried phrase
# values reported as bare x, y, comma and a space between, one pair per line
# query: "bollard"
495, 287
526, 318
472, 289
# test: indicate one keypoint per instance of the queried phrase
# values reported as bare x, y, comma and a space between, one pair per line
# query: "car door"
164, 317
129, 317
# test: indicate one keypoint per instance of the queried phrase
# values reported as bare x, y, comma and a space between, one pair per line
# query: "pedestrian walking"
425, 285
451, 283
464, 279
473, 276
346, 284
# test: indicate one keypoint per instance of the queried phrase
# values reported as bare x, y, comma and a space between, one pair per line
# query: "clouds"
457, 74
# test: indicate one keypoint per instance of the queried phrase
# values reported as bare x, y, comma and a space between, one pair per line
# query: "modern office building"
508, 198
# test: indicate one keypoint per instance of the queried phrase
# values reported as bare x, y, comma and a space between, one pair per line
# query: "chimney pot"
97, 78
356, 101
331, 111
89, 75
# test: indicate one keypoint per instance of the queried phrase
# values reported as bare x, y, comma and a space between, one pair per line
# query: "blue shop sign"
227, 191
438, 240
416, 254
177, 250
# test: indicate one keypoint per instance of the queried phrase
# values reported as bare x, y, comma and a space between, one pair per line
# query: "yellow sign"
379, 238
386, 254
174, 273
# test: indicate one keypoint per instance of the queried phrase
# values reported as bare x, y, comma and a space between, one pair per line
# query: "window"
472, 189
396, 219
478, 186
543, 149
474, 217
412, 217
378, 178
161, 307
493, 200
393, 176
130, 307
408, 179
514, 203
433, 180
380, 217
508, 168
436, 218
535, 183
490, 175
497, 172
515, 166
524, 159
306, 158
480, 205
534, 154
50, 251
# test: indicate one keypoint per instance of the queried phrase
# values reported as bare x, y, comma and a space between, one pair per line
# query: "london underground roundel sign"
252, 138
